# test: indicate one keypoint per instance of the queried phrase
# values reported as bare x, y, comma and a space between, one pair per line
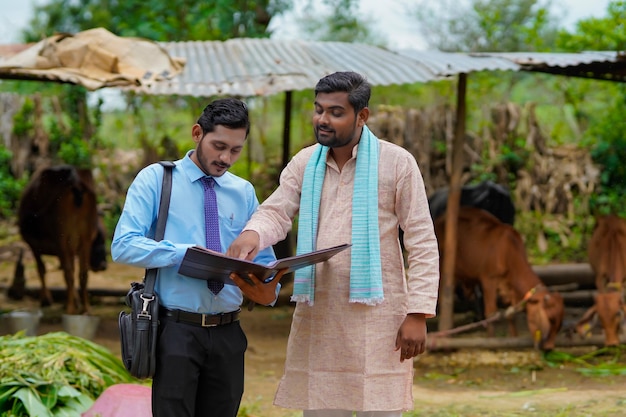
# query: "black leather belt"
199, 319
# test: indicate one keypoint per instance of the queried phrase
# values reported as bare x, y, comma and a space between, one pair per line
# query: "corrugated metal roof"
251, 67
599, 65
554, 59
447, 64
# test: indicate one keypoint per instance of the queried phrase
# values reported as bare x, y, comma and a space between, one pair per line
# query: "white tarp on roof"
94, 58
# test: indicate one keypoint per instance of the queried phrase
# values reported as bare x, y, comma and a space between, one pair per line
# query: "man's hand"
246, 246
259, 292
411, 338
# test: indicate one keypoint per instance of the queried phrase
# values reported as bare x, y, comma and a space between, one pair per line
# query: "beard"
206, 163
329, 137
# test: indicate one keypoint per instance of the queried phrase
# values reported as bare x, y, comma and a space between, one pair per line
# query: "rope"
506, 314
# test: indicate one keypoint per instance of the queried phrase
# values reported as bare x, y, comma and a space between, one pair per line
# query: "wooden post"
284, 248
446, 285
287, 128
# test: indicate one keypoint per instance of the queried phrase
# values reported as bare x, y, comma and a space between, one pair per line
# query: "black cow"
58, 216
486, 195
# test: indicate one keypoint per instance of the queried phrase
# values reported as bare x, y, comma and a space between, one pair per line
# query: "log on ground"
447, 343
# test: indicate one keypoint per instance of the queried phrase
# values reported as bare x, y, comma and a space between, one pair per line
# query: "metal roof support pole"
446, 284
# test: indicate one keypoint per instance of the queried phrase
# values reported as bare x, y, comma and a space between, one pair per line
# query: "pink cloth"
342, 355
122, 400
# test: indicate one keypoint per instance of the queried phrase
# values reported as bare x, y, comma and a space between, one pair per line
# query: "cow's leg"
83, 275
84, 294
512, 326
67, 263
479, 305
45, 297
583, 328
17, 290
490, 299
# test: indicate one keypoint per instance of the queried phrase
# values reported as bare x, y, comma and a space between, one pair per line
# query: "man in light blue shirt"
200, 369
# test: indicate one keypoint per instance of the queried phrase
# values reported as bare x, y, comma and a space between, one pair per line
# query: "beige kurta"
342, 355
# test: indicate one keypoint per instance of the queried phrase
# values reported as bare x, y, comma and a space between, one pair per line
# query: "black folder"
201, 263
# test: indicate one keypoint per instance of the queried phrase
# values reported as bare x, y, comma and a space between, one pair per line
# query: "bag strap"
164, 206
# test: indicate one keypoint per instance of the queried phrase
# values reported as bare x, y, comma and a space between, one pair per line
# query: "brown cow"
492, 254
58, 216
607, 257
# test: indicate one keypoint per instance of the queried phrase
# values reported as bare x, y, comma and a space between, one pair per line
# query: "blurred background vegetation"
118, 141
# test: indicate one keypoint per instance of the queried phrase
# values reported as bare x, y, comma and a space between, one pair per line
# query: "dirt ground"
469, 382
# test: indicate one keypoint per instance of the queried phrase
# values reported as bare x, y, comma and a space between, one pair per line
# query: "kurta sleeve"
419, 237
274, 217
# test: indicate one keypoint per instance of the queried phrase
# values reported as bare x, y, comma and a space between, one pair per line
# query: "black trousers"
199, 370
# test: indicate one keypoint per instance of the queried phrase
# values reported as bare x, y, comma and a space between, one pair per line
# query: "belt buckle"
205, 324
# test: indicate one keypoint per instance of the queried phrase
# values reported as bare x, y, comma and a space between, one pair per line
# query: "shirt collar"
194, 173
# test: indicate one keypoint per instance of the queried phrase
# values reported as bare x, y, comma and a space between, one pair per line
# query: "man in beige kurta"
342, 355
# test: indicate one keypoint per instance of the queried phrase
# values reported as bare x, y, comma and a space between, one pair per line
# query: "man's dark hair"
229, 112
357, 87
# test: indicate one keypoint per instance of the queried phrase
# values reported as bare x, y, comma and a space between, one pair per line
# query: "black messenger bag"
138, 328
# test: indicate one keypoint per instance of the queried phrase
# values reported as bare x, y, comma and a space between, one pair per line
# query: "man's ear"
196, 133
363, 115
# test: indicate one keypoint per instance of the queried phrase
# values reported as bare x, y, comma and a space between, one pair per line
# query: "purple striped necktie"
212, 226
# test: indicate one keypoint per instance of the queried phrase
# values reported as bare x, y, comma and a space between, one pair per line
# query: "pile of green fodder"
605, 361
54, 374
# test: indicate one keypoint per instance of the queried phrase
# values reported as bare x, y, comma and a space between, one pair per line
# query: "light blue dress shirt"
133, 242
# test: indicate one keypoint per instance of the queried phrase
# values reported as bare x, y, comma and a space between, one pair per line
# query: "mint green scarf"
366, 285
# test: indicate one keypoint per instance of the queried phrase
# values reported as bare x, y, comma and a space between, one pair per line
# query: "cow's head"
544, 312
98, 257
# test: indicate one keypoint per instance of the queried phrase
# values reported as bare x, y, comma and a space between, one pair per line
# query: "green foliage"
341, 23
75, 152
417, 96
554, 238
512, 25
10, 187
175, 20
486, 25
607, 139
594, 363
71, 135
23, 121
598, 34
